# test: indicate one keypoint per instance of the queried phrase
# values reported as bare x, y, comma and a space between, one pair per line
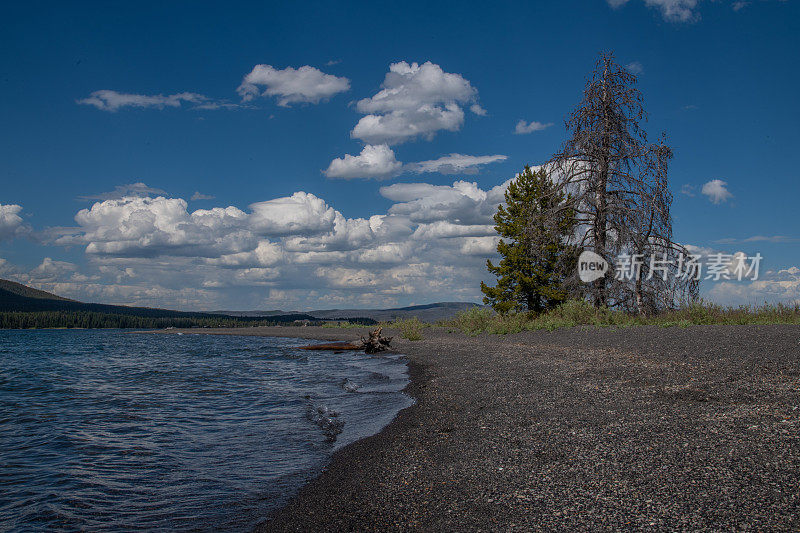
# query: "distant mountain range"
426, 313
9, 290
22, 307
16, 297
55, 311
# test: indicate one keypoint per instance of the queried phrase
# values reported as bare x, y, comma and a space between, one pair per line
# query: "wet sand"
640, 428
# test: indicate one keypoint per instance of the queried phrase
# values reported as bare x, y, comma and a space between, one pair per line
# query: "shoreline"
646, 427
313, 333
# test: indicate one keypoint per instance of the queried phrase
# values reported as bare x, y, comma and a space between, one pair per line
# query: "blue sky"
277, 222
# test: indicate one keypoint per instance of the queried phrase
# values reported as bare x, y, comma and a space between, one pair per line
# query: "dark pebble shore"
576, 429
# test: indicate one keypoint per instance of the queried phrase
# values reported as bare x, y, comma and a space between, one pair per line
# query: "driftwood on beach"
373, 344
339, 346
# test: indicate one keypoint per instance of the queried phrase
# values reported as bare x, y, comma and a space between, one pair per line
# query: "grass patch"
581, 313
343, 324
410, 328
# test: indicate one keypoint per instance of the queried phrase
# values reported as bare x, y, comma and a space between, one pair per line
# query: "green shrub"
342, 324
582, 313
473, 321
410, 328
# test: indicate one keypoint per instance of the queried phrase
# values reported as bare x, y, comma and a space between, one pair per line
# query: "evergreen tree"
534, 225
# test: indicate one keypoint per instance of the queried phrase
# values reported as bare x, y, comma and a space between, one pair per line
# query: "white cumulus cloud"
415, 101
149, 227
306, 84
455, 164
121, 191
50, 270
200, 196
348, 278
782, 285
523, 127
108, 100
11, 224
379, 162
635, 67
717, 191
299, 214
346, 234
480, 246
292, 252
671, 10
462, 203
266, 253
374, 161
442, 229
478, 110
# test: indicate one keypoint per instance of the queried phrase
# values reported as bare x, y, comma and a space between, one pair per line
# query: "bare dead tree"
657, 281
618, 190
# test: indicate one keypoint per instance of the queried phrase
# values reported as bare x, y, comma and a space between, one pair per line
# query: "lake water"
112, 431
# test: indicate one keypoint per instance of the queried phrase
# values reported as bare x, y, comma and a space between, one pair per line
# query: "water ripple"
109, 431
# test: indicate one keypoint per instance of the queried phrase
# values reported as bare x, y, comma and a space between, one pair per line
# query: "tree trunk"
373, 344
639, 299
376, 343
601, 221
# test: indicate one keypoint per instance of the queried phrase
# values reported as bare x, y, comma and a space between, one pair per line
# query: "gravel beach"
576, 429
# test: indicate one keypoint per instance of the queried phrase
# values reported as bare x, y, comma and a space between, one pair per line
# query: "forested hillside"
25, 307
